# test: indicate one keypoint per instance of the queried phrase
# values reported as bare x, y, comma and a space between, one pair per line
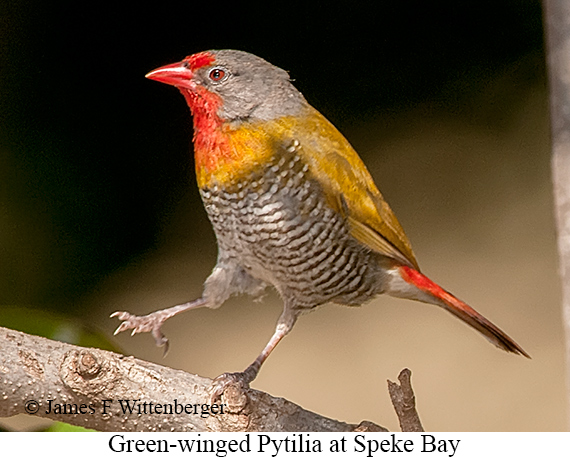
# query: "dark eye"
217, 74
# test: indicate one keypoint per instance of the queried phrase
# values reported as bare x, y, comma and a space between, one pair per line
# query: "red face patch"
202, 59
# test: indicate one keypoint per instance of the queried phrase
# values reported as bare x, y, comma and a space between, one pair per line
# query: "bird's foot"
151, 323
234, 384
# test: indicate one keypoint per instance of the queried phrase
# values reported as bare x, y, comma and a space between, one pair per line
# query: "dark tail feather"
462, 310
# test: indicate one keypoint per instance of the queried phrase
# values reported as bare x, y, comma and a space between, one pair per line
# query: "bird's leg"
243, 378
153, 322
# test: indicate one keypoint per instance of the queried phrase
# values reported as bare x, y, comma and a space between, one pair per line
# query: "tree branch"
557, 22
404, 402
90, 387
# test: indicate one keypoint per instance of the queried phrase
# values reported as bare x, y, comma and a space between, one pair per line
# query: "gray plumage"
276, 228
304, 216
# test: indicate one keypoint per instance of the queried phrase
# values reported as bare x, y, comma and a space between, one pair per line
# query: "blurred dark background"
96, 174
95, 157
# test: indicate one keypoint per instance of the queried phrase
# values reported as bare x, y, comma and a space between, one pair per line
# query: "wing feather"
351, 190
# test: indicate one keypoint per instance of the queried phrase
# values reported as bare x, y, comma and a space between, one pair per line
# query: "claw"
166, 345
121, 328
140, 324
153, 322
225, 380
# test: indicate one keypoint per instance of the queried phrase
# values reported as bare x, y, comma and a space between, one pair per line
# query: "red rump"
202, 59
462, 310
427, 285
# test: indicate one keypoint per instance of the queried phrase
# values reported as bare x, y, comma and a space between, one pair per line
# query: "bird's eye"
217, 74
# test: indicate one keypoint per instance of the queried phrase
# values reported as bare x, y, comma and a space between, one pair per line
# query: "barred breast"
278, 226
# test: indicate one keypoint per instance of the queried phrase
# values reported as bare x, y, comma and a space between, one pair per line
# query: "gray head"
247, 87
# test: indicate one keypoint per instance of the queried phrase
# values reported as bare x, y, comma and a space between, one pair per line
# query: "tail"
424, 289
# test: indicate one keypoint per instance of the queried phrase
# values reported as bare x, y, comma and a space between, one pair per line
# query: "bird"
292, 206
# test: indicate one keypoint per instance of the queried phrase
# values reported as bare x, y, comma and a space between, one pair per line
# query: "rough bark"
404, 402
83, 386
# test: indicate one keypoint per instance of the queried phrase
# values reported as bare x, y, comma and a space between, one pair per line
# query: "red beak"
176, 74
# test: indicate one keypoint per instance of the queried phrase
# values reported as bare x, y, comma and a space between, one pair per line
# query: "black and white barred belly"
279, 227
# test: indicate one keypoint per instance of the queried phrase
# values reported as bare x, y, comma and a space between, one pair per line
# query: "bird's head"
232, 86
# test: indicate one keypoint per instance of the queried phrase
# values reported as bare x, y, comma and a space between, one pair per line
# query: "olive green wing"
350, 189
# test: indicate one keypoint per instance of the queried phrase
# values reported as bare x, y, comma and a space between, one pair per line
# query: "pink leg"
153, 322
284, 326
